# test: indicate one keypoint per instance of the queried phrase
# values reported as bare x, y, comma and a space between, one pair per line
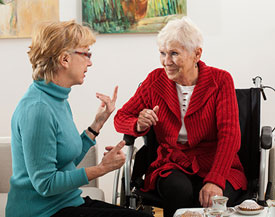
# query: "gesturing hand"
114, 158
147, 118
105, 109
207, 191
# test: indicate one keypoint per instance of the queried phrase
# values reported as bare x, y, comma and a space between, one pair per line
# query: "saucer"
229, 211
246, 212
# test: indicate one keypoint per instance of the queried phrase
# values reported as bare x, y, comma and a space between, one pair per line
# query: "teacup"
210, 212
219, 202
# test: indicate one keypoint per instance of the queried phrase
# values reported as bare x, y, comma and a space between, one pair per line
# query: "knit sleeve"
229, 135
38, 130
126, 118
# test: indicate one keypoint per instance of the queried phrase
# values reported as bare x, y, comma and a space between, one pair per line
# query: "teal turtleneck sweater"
46, 148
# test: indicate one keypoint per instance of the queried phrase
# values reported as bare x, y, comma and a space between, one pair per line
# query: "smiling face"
180, 65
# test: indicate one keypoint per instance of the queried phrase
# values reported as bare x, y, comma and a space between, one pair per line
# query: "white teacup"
219, 202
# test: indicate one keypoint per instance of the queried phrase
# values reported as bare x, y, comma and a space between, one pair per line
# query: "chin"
171, 76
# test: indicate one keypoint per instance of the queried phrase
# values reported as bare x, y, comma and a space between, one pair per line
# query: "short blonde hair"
50, 40
183, 31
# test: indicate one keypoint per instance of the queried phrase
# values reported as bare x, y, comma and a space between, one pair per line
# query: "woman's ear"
198, 53
64, 59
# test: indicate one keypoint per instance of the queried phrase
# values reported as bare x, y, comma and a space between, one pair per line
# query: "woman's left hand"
209, 190
105, 109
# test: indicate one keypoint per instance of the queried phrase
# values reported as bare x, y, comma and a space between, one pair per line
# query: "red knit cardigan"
211, 121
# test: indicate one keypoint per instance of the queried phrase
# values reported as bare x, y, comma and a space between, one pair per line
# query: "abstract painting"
18, 17
130, 16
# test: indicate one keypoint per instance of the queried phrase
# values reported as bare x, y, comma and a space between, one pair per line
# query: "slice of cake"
249, 205
191, 214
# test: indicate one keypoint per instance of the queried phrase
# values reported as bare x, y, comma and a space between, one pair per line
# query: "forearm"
95, 172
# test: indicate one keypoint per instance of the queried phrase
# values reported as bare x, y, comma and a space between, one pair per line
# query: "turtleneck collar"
53, 89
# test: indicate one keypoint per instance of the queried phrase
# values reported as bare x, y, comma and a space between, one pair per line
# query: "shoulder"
220, 76
156, 73
33, 105
156, 76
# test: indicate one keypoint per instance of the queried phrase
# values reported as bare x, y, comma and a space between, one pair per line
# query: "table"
236, 214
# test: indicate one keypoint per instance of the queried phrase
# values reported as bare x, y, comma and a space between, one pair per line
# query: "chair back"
90, 159
6, 167
249, 102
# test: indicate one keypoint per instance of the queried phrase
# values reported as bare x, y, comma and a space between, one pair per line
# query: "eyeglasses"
86, 54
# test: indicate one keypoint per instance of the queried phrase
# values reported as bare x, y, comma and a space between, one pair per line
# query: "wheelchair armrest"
130, 140
266, 137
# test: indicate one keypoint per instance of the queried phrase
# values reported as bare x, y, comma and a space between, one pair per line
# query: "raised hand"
105, 109
147, 118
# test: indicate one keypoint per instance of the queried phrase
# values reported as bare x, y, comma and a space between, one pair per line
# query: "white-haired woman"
46, 145
193, 110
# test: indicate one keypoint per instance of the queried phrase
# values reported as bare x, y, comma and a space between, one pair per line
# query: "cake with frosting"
249, 205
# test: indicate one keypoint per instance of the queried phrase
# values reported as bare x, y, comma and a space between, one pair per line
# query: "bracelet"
92, 131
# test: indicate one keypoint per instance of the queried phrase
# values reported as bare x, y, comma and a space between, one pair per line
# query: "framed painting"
130, 16
18, 17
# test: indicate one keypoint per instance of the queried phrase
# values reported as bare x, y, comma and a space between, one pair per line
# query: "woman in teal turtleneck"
46, 145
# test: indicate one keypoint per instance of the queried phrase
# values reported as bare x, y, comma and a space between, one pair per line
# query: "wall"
239, 37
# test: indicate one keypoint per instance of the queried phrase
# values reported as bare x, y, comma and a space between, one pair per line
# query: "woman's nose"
168, 60
90, 63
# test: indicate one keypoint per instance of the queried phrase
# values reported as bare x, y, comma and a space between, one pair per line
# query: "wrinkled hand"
147, 118
207, 191
105, 109
114, 158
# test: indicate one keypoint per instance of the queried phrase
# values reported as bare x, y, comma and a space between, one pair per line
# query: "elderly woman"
193, 110
46, 145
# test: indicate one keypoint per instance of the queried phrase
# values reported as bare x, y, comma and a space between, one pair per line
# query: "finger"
115, 94
150, 117
156, 109
109, 148
206, 200
201, 198
119, 146
144, 123
153, 113
103, 97
102, 104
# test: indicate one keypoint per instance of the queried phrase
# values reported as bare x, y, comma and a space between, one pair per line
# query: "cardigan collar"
52, 89
205, 86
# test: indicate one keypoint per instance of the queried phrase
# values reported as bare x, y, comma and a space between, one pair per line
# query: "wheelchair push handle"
130, 140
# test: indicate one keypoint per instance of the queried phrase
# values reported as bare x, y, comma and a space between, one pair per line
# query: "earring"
196, 65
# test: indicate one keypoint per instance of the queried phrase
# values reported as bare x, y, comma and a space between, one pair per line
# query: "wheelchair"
255, 146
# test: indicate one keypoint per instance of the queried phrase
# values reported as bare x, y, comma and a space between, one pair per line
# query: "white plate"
245, 212
229, 211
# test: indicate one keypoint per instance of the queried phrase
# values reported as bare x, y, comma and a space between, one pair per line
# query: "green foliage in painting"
165, 7
116, 16
105, 15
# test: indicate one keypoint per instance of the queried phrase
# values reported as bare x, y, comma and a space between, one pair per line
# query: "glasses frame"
86, 54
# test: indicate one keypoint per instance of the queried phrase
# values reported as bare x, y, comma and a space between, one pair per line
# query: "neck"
190, 79
58, 80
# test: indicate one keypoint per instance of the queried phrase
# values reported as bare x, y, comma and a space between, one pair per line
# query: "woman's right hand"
114, 158
147, 118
